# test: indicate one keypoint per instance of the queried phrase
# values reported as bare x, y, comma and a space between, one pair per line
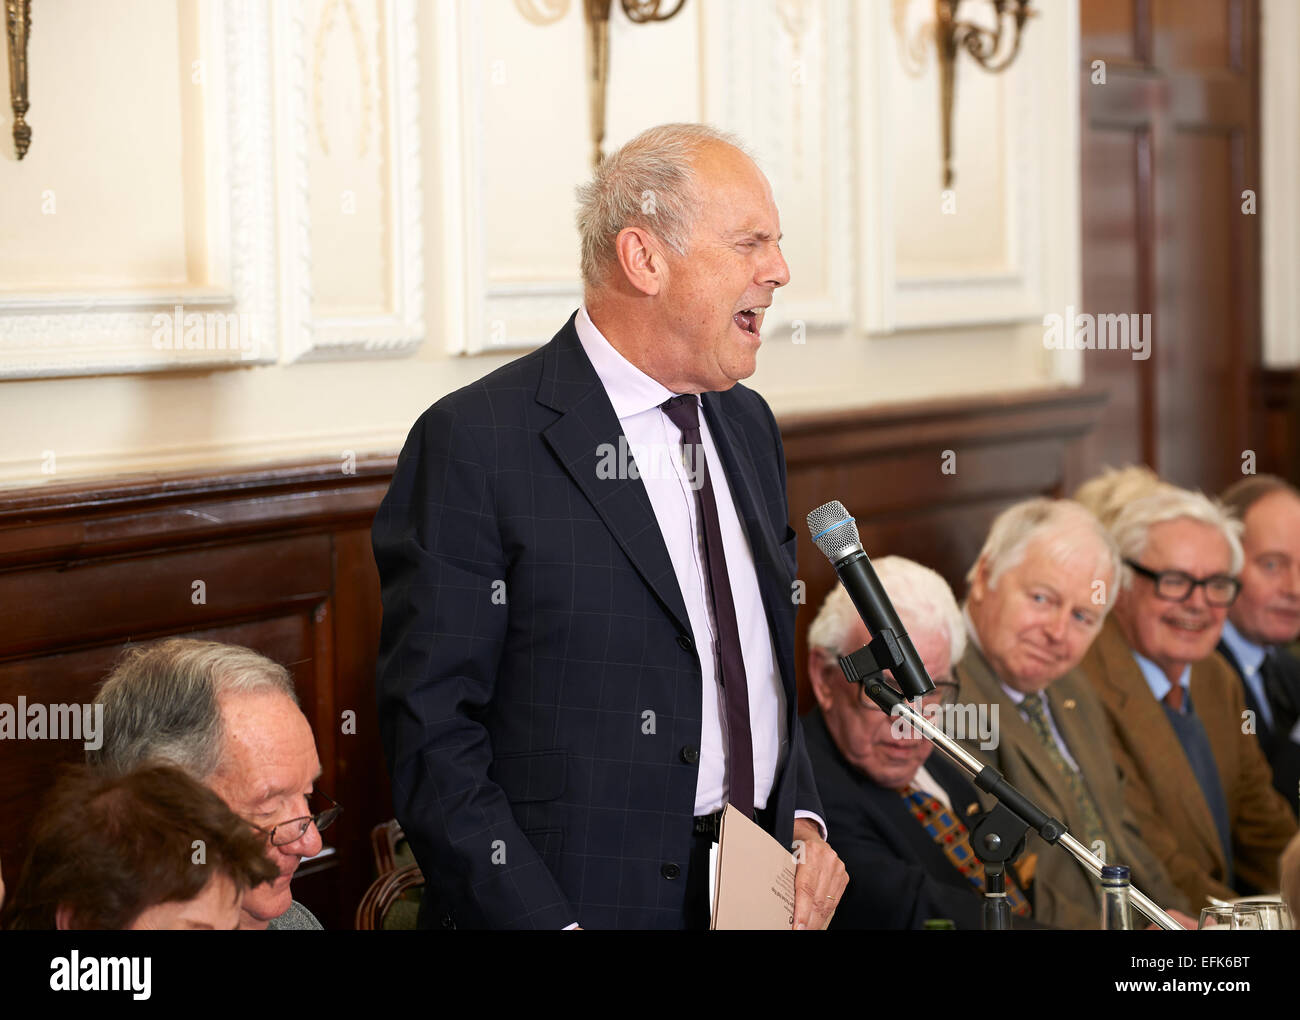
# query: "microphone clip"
868, 663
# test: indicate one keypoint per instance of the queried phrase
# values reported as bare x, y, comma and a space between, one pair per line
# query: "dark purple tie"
683, 412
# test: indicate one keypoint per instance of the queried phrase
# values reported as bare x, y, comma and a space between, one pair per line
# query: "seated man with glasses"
1039, 592
899, 813
1197, 780
229, 717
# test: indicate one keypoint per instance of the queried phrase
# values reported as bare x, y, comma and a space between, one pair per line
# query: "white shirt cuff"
821, 824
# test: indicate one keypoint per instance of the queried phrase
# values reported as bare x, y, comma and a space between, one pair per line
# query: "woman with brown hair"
149, 849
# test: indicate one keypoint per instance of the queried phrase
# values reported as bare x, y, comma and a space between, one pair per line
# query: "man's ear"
817, 659
63, 919
641, 259
979, 585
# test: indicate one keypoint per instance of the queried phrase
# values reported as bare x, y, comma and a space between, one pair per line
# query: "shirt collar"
1246, 652
630, 390
1156, 679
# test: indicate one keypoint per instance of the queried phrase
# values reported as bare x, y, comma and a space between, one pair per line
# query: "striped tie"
1092, 830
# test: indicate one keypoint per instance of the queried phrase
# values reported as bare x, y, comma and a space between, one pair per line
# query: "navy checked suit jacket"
539, 689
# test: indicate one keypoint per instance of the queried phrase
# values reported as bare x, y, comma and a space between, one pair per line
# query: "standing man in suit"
1039, 592
587, 572
1197, 780
899, 813
1265, 619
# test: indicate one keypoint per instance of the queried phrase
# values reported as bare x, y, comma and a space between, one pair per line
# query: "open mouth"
750, 320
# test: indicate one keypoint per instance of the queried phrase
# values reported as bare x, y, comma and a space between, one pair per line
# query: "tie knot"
1033, 704
683, 411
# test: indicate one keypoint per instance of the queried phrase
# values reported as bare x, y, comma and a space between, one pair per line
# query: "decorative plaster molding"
310, 336
70, 333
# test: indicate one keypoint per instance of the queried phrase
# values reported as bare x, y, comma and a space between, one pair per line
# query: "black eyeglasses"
1221, 590
294, 829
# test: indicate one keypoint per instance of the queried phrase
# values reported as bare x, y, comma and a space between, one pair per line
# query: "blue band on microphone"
839, 524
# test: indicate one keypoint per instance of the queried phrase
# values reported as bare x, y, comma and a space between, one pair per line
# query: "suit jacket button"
690, 755
685, 643
670, 871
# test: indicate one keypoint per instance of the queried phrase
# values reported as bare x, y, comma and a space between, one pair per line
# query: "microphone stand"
1000, 836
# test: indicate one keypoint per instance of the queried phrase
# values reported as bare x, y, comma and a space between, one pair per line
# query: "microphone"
835, 533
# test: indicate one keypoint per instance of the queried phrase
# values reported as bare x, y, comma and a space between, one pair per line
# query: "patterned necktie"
683, 412
953, 839
1092, 830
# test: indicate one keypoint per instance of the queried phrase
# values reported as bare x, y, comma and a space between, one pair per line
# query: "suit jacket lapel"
1261, 723
1143, 723
587, 423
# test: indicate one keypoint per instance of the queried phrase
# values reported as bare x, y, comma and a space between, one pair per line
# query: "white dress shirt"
926, 783
1250, 657
655, 442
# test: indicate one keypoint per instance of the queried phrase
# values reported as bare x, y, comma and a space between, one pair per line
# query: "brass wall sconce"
597, 14
18, 25
950, 37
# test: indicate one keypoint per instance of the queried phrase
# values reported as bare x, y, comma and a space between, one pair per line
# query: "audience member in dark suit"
561, 543
1196, 781
1039, 592
1265, 619
897, 811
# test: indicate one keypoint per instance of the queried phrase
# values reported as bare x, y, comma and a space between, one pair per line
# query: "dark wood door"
1170, 142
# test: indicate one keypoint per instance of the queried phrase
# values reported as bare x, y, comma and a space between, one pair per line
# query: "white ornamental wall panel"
780, 75
351, 209
513, 103
996, 249
227, 318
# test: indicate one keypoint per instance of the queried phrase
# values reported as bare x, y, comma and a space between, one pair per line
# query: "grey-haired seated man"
230, 718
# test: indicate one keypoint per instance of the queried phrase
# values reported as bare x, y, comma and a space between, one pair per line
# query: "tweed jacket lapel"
1146, 734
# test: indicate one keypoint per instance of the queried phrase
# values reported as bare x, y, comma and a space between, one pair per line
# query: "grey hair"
1112, 490
922, 599
161, 703
1133, 525
1067, 524
650, 183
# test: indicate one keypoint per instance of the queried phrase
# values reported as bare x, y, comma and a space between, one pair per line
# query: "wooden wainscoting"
284, 563
284, 558
925, 480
